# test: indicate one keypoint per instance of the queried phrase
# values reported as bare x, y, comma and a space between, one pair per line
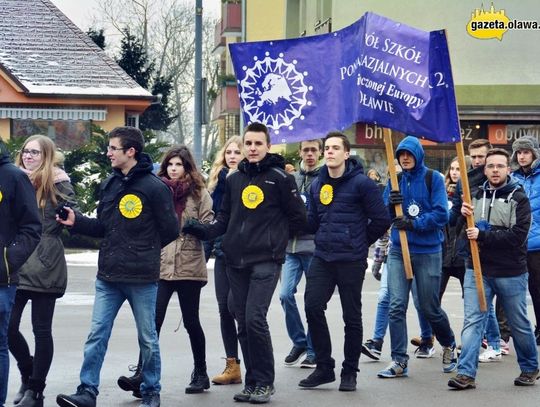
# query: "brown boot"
231, 374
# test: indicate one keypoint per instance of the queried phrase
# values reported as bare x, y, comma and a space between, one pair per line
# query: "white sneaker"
490, 355
505, 347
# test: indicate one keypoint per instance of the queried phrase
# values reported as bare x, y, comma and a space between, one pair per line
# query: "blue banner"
375, 71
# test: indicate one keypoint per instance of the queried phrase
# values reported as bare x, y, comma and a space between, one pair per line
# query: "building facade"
55, 81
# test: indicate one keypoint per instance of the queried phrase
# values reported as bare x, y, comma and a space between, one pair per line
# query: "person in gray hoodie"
297, 260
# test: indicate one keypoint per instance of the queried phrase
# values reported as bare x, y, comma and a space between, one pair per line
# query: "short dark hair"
317, 140
129, 137
499, 151
257, 128
479, 143
343, 137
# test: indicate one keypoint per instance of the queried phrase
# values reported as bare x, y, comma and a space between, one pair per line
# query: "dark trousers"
189, 295
321, 282
447, 272
229, 334
42, 315
533, 266
252, 289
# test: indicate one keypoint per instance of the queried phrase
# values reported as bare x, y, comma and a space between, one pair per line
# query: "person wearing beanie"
525, 163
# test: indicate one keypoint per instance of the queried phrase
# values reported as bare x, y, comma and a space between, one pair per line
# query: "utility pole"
197, 130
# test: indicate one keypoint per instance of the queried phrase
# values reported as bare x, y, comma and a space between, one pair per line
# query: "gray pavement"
426, 385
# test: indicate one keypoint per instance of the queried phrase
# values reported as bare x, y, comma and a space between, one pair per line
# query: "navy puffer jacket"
354, 219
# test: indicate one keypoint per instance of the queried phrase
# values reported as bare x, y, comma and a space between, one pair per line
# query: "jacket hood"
525, 143
352, 168
312, 173
413, 146
511, 184
144, 165
269, 161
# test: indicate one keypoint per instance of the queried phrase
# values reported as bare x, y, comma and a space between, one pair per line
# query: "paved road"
426, 385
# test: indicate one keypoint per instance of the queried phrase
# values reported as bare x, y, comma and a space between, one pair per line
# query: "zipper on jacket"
7, 265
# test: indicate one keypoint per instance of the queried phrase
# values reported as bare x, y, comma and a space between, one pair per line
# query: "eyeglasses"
33, 153
310, 150
113, 148
498, 166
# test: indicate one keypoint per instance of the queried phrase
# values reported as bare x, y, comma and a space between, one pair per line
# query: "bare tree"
167, 31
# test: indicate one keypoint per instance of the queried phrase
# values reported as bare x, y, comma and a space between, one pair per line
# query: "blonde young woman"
226, 161
43, 278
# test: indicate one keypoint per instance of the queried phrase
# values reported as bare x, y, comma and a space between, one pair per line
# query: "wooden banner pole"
470, 224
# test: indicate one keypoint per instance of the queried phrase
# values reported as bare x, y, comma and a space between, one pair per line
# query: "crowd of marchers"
268, 224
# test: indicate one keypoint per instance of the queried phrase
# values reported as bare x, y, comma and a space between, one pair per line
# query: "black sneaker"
372, 349
308, 363
262, 394
348, 381
462, 382
83, 398
527, 378
245, 394
294, 356
318, 377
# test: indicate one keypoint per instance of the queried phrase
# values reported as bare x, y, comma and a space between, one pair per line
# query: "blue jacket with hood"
530, 181
353, 220
429, 211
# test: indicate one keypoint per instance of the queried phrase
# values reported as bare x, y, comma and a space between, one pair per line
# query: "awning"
53, 113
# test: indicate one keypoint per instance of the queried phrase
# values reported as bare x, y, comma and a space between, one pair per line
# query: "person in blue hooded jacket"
425, 214
526, 162
347, 214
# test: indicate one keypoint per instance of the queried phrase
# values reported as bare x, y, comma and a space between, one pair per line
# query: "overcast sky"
85, 14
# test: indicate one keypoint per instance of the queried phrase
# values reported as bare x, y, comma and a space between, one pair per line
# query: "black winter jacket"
256, 227
46, 269
354, 218
20, 228
135, 218
503, 246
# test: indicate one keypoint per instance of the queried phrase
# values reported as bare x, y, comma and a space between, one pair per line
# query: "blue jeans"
109, 298
383, 307
427, 276
291, 274
512, 291
493, 335
425, 328
7, 298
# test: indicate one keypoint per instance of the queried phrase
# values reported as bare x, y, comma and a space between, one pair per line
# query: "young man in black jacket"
502, 213
20, 232
261, 208
347, 215
135, 218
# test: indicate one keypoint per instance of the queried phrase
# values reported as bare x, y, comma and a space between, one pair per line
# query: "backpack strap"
428, 179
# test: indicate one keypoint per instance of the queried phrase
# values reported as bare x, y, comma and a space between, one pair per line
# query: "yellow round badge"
326, 194
1, 196
252, 196
130, 206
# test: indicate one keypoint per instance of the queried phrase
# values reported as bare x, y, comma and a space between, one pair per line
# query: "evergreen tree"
159, 116
97, 36
134, 59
